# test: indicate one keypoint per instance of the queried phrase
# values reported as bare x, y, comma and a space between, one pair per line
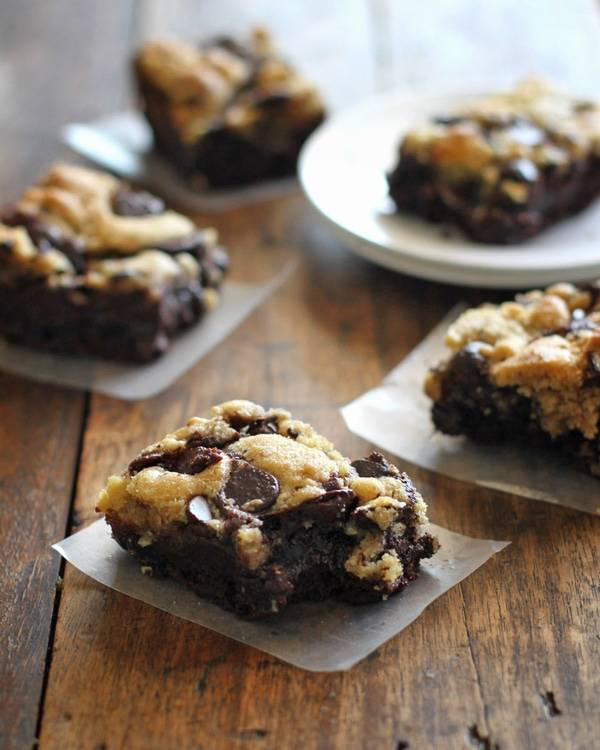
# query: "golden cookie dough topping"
79, 201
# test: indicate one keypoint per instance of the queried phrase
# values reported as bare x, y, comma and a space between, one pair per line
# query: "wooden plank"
39, 432
39, 425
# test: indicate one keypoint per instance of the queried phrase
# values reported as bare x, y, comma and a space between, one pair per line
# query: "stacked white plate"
342, 171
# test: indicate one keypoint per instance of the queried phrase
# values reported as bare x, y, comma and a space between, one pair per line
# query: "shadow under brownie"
254, 510
91, 266
504, 168
228, 112
526, 370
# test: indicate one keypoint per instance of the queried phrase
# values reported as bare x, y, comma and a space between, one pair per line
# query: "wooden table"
507, 659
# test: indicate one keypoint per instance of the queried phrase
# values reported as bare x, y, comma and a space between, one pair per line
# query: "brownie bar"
89, 265
254, 510
228, 113
505, 168
529, 370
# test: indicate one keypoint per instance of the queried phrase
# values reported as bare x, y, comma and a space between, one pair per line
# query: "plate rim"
408, 261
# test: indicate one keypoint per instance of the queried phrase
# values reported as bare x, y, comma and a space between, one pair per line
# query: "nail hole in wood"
549, 704
479, 741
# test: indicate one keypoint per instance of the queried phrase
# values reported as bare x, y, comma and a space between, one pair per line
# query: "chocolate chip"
192, 459
199, 509
129, 202
195, 458
329, 507
375, 465
143, 461
247, 483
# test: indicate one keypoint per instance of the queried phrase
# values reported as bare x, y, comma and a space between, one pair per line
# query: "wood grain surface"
510, 658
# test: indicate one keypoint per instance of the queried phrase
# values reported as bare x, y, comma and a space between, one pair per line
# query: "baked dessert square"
504, 168
525, 370
90, 265
228, 112
254, 510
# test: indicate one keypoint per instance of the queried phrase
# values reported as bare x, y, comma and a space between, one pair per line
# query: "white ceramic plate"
342, 170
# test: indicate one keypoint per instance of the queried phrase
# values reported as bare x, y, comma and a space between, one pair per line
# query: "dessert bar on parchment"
90, 265
505, 167
227, 112
253, 510
525, 370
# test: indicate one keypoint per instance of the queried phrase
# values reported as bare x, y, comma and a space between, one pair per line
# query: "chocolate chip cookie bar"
90, 265
504, 168
525, 370
254, 510
227, 112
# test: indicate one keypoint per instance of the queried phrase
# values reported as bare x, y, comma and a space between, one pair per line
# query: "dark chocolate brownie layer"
253, 510
504, 169
88, 265
527, 370
228, 113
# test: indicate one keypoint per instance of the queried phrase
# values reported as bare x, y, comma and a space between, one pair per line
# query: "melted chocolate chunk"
192, 459
195, 458
129, 202
375, 465
211, 442
253, 489
329, 507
